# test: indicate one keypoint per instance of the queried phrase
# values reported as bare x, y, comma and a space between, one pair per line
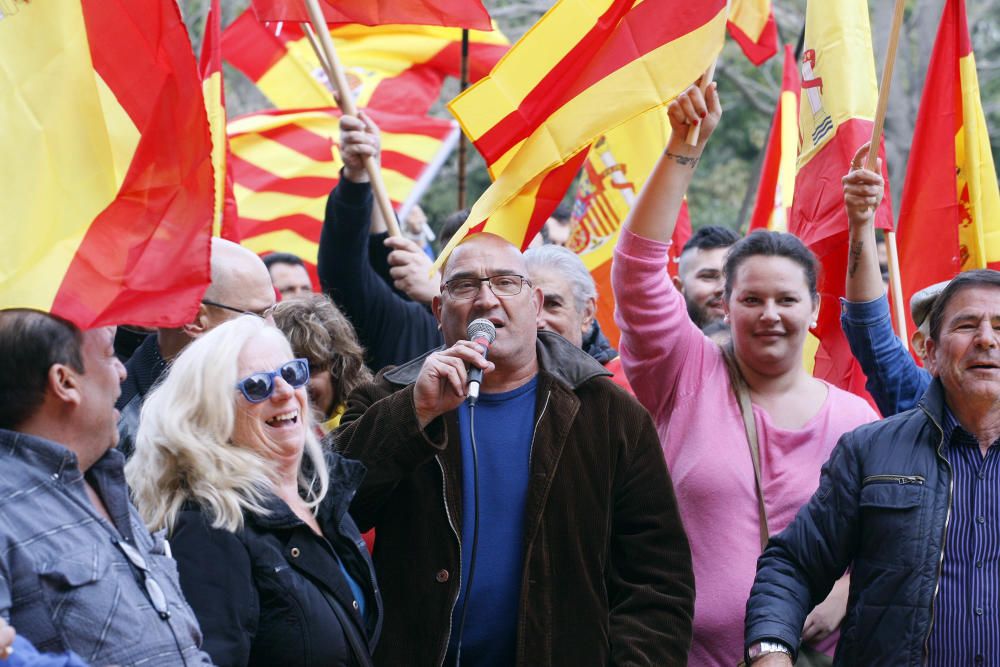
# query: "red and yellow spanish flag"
752, 26
454, 13
614, 172
396, 68
285, 163
777, 173
836, 113
224, 222
583, 69
106, 181
949, 219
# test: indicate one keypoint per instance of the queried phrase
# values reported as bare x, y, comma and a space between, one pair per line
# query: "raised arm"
893, 378
654, 214
863, 192
665, 356
391, 328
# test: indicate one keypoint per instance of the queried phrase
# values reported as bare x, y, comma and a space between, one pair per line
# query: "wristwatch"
760, 649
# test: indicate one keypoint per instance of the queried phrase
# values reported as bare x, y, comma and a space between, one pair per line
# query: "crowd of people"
299, 478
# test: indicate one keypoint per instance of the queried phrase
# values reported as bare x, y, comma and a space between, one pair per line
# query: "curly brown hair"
319, 332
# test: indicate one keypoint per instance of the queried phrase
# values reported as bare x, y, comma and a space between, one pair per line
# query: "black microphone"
483, 333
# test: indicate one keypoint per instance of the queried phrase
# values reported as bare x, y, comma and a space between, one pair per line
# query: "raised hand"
359, 138
412, 270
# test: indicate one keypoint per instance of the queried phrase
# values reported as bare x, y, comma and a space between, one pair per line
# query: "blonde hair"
184, 449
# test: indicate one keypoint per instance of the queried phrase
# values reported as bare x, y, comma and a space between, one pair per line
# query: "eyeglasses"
259, 386
153, 590
263, 314
506, 284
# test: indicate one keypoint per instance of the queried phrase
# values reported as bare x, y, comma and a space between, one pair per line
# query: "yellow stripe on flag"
278, 158
270, 205
977, 182
212, 90
287, 241
750, 16
786, 165
59, 171
521, 69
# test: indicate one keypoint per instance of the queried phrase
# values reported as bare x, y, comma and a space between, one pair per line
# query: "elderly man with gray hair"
569, 307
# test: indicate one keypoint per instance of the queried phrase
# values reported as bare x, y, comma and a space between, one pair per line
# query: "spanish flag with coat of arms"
836, 115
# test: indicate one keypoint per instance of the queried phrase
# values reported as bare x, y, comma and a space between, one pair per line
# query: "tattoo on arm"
854, 257
683, 160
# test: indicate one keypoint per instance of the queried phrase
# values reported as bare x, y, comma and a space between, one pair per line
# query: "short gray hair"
569, 264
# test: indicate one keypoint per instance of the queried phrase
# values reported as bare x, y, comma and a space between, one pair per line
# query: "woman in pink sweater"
682, 379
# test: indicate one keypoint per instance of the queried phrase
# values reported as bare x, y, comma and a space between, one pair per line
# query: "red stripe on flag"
145, 258
818, 209
251, 47
459, 13
301, 224
252, 177
621, 36
760, 51
482, 59
550, 193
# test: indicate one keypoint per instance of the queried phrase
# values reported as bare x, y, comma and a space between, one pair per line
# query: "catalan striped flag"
777, 174
455, 13
224, 221
107, 206
584, 68
614, 172
396, 68
949, 219
752, 26
836, 112
285, 163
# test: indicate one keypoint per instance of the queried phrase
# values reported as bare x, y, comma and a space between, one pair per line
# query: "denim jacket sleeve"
894, 379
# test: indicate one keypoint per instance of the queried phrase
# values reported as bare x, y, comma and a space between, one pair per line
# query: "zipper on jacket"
451, 522
944, 539
898, 479
534, 432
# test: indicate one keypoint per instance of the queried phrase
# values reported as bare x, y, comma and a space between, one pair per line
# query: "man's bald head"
496, 246
239, 277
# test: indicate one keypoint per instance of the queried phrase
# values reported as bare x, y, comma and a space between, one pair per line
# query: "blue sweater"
894, 379
503, 428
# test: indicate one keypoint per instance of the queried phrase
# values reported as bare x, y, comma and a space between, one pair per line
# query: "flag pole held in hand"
871, 164
335, 72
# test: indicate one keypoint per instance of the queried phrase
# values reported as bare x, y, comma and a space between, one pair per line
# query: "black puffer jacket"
262, 595
881, 509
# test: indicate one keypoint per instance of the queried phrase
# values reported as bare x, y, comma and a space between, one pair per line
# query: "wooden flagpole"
871, 163
327, 55
695, 130
463, 84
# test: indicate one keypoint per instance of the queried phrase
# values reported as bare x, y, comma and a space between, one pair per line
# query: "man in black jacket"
551, 496
912, 505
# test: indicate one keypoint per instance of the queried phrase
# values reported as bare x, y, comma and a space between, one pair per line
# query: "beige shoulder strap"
742, 392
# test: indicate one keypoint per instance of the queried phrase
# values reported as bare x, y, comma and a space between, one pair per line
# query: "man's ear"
931, 348
199, 325
918, 341
678, 283
436, 309
64, 384
539, 298
589, 313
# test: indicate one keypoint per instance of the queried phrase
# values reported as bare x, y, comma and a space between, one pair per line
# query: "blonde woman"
227, 461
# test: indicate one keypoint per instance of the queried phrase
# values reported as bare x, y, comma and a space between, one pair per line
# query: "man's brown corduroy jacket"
607, 576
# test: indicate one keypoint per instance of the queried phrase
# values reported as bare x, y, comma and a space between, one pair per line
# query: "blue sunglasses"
259, 386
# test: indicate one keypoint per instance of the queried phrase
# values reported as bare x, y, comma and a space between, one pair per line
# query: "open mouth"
284, 420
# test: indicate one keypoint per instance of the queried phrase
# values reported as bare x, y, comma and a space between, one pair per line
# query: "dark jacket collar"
933, 403
144, 369
597, 345
568, 364
346, 476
